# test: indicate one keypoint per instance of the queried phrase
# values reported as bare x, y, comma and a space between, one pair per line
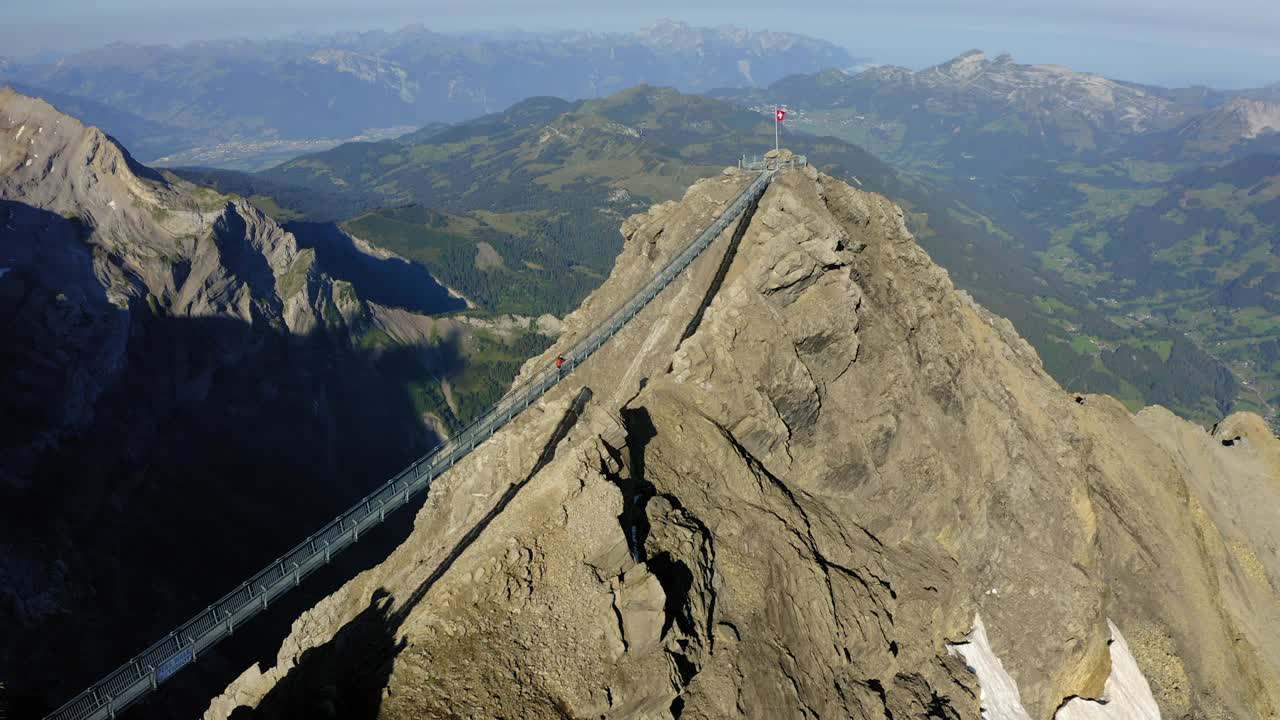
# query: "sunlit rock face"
789, 488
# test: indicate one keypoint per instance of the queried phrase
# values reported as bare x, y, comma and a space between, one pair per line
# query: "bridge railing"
183, 646
761, 163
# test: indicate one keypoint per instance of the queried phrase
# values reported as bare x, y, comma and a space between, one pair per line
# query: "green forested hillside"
532, 266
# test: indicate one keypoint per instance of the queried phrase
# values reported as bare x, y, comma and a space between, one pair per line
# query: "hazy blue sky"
1173, 42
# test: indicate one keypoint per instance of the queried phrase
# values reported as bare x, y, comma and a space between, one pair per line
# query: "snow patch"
1126, 695
20, 131
997, 690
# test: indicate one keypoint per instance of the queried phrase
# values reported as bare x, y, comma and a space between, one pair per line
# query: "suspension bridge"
144, 673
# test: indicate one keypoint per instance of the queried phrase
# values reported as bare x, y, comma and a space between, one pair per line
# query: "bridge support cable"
144, 673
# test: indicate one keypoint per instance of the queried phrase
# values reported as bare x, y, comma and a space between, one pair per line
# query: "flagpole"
775, 127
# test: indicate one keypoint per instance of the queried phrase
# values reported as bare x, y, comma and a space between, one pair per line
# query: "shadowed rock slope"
812, 479
103, 236
185, 396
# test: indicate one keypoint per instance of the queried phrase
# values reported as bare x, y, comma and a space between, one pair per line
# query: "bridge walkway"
153, 666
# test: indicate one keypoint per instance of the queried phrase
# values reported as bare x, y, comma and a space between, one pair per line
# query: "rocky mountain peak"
1217, 131
1255, 116
195, 251
90, 241
962, 67
38, 144
674, 34
811, 478
202, 363
1050, 91
664, 27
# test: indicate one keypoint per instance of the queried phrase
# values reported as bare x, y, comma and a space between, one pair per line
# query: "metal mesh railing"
162, 660
761, 163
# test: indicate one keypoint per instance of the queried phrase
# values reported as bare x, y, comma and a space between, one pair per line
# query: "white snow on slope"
1126, 696
998, 691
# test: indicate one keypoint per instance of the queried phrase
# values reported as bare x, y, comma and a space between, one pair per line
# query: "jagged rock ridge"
790, 488
80, 219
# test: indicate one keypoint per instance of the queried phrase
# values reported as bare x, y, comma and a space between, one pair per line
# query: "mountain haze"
343, 85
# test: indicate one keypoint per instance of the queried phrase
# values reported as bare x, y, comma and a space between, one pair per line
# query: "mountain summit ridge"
793, 485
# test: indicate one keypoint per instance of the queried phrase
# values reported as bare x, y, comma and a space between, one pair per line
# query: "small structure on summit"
780, 159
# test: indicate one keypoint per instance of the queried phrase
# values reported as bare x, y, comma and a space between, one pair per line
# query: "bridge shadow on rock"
636, 489
345, 677
386, 281
672, 573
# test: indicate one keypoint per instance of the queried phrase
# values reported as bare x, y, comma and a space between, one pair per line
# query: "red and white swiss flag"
782, 114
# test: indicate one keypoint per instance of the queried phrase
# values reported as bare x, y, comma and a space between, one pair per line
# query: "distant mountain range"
1011, 113
167, 99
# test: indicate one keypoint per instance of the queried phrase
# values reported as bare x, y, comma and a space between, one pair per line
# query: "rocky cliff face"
1225, 127
89, 236
1051, 89
811, 479
178, 368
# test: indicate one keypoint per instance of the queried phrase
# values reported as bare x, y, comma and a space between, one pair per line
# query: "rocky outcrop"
1219, 130
1051, 89
789, 488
